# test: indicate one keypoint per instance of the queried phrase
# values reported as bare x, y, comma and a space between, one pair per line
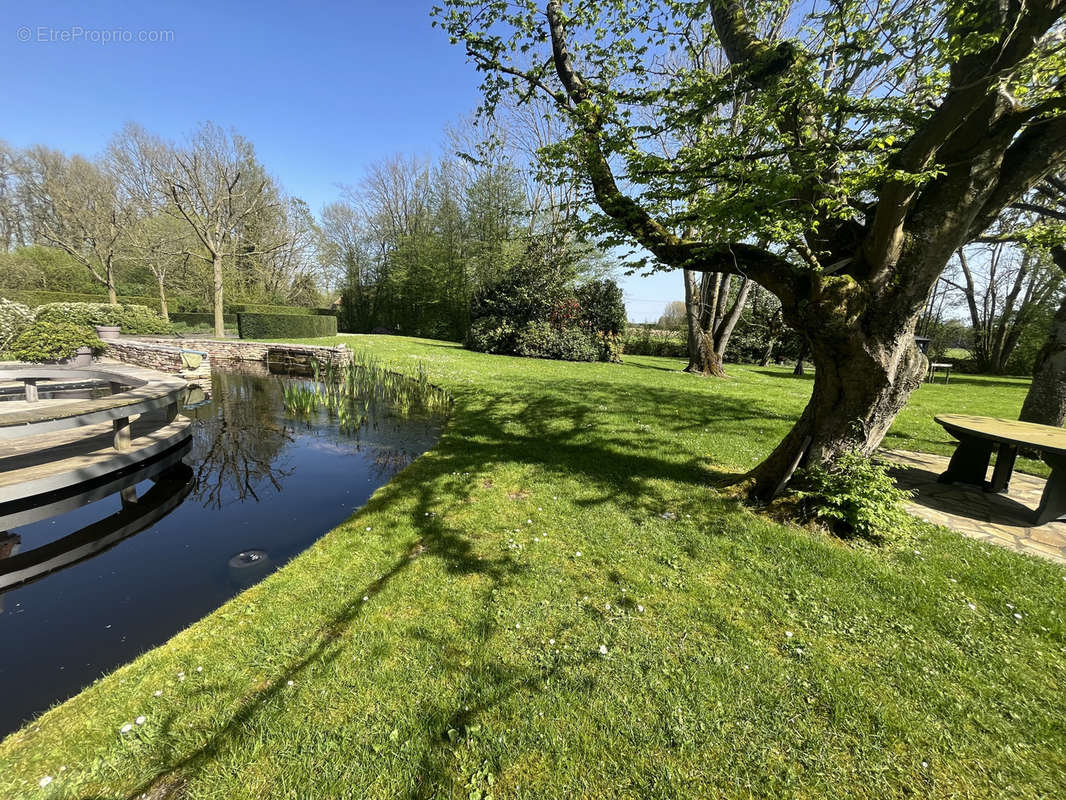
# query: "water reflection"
89, 580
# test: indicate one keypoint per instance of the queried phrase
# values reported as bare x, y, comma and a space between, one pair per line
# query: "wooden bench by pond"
980, 436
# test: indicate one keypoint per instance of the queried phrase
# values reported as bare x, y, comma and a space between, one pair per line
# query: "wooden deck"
50, 445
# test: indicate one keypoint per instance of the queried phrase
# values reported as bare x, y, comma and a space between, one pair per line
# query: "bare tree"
77, 207
1005, 289
210, 187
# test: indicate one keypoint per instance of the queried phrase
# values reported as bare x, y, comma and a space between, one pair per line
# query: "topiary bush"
195, 319
285, 326
133, 319
14, 318
53, 341
856, 497
260, 308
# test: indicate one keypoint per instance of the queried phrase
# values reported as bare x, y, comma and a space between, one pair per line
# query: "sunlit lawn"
552, 603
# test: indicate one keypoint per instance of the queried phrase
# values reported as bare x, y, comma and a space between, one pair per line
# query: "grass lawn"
551, 603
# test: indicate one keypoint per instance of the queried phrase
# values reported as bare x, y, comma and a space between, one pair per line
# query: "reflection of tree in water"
238, 437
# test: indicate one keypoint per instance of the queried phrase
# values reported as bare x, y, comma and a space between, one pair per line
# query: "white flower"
289, 683
1017, 615
529, 522
607, 606
972, 606
577, 554
640, 609
47, 779
181, 674
199, 669
368, 527
603, 649
157, 693
788, 634
366, 597
518, 625
551, 641
925, 764
141, 719
125, 728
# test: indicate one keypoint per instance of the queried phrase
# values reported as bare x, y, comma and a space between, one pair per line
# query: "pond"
147, 553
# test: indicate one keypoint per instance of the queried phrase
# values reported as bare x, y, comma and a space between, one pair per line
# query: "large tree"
879, 138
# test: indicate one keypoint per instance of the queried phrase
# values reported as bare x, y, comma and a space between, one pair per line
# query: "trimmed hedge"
258, 308
198, 318
284, 326
134, 319
34, 298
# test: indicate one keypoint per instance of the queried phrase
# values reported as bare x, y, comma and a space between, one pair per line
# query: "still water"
157, 549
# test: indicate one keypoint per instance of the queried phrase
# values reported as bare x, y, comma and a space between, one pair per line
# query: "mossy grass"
553, 603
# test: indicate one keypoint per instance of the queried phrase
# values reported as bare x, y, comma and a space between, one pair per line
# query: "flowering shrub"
53, 341
14, 318
533, 311
133, 319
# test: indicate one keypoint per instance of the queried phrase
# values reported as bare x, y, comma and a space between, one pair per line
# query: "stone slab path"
1003, 519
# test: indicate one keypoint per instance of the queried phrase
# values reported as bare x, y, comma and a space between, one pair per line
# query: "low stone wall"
165, 357
240, 350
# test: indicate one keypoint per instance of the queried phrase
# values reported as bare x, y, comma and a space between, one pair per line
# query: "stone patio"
1003, 519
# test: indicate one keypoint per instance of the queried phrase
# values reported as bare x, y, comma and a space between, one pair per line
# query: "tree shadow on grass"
560, 429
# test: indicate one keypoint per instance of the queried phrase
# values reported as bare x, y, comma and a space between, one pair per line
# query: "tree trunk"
798, 369
702, 358
1046, 401
861, 382
109, 280
767, 354
162, 299
220, 325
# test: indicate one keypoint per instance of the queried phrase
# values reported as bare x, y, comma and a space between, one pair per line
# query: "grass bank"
551, 603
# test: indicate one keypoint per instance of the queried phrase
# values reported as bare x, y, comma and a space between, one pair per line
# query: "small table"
934, 366
979, 436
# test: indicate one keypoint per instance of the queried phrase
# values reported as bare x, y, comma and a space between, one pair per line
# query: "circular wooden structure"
49, 445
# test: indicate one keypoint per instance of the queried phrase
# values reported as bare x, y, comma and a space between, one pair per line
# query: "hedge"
258, 308
192, 318
35, 297
284, 326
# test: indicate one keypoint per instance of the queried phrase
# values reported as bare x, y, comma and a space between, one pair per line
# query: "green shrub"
14, 318
856, 497
53, 341
259, 308
133, 319
491, 335
647, 341
544, 340
611, 348
34, 298
602, 308
285, 326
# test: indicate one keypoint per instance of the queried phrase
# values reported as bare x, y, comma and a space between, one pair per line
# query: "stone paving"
1003, 519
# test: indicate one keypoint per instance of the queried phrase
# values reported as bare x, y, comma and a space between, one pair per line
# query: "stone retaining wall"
238, 350
165, 357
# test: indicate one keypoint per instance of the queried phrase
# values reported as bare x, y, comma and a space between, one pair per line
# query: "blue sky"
322, 89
